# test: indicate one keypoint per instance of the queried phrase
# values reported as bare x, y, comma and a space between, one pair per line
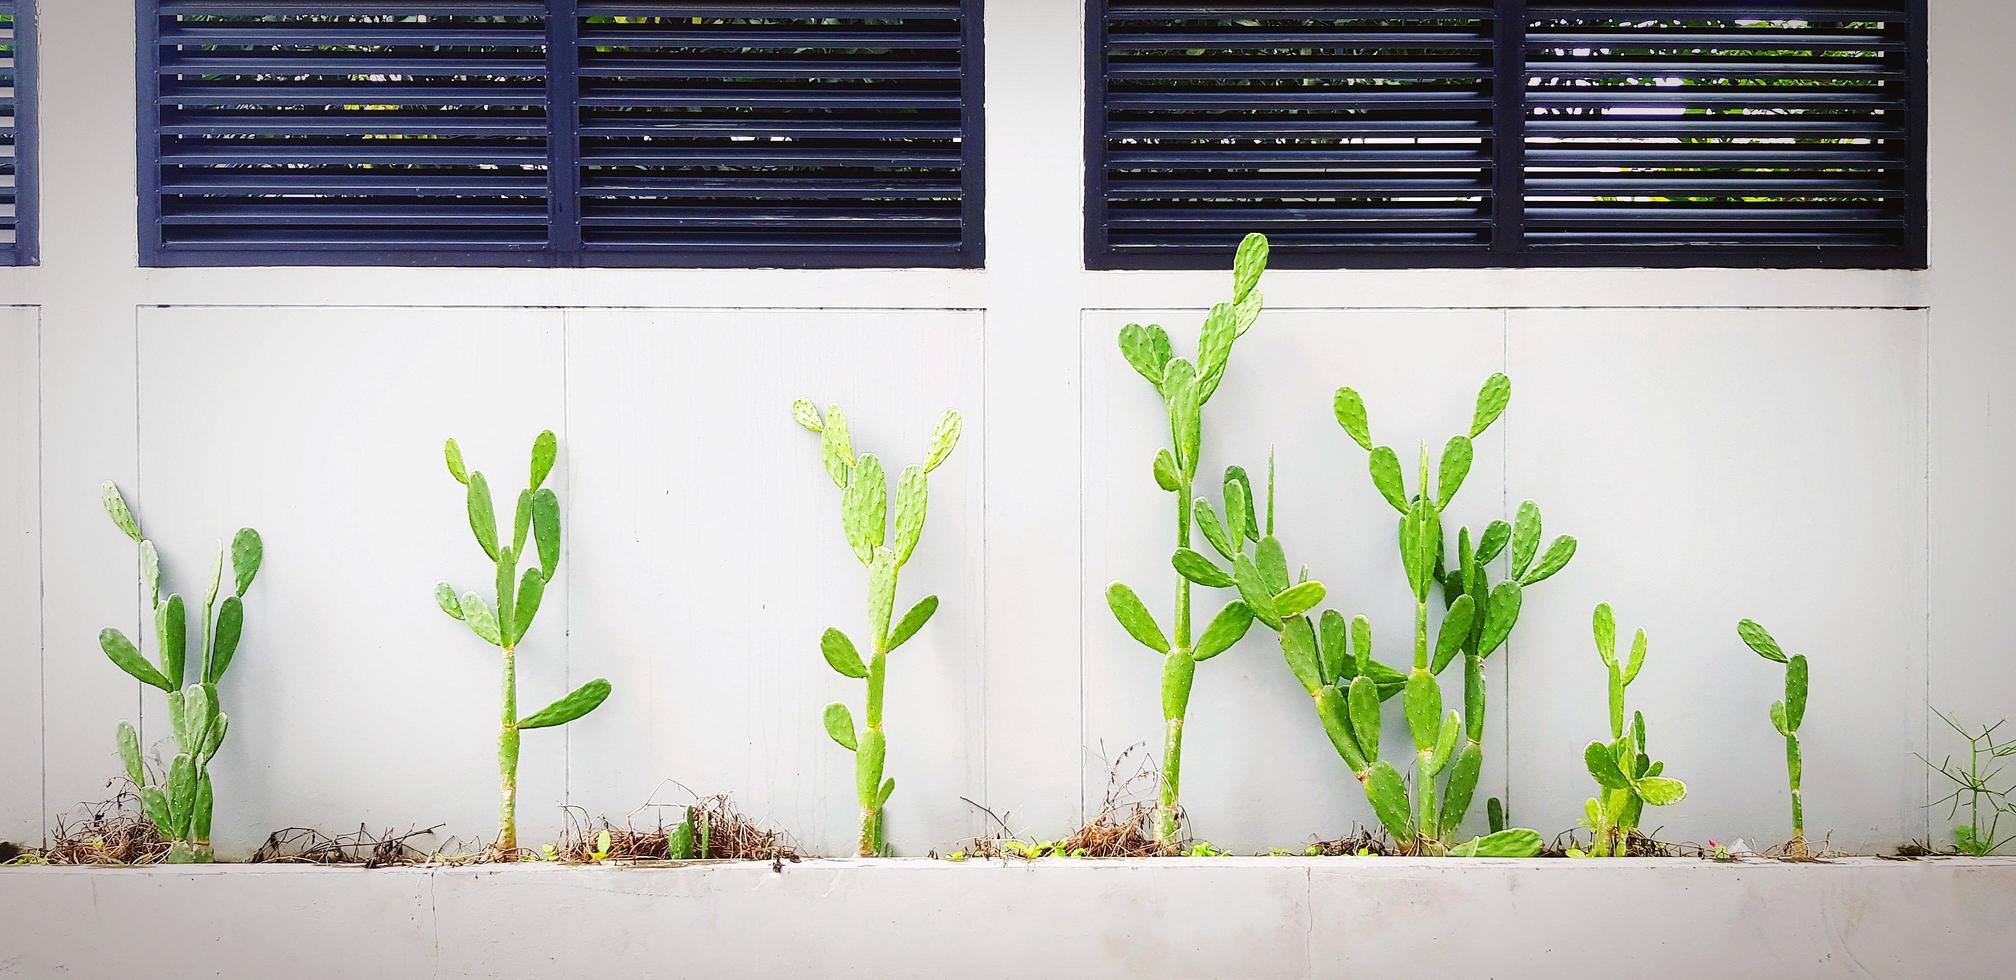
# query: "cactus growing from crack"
1478, 619
864, 512
1184, 387
1785, 717
1627, 778
503, 620
181, 801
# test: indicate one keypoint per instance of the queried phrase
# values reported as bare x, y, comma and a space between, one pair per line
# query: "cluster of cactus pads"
864, 512
1627, 778
179, 801
503, 621
1184, 388
1785, 717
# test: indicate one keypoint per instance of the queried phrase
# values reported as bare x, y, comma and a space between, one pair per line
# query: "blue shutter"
560, 132
17, 132
1435, 133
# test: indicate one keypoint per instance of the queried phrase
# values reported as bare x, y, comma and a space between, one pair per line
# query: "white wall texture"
1824, 451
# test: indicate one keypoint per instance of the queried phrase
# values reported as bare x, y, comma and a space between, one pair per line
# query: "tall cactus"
1627, 778
864, 511
503, 620
1184, 388
1785, 717
1479, 616
181, 802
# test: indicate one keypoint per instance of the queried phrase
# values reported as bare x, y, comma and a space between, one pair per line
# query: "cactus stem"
1172, 777
507, 758
871, 834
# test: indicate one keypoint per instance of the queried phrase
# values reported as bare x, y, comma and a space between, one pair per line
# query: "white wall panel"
21, 809
353, 698
1718, 465
708, 557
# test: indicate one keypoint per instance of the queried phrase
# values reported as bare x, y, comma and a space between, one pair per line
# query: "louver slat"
785, 133
17, 152
1711, 131
1351, 133
292, 131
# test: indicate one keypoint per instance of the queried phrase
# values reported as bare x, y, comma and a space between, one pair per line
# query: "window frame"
1507, 248
564, 248
26, 249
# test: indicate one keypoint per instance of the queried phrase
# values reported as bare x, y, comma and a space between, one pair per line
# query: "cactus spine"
1478, 619
181, 802
1627, 778
1785, 717
864, 512
503, 620
1185, 388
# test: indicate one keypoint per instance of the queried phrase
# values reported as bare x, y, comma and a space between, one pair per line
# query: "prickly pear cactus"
179, 799
1184, 387
503, 618
1478, 617
1627, 778
1785, 717
865, 514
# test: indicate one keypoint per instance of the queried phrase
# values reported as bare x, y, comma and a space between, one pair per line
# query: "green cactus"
1785, 717
1184, 388
1478, 619
864, 512
503, 619
1626, 777
180, 801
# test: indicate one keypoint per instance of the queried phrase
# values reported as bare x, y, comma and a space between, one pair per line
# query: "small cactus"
180, 801
1184, 388
1785, 717
503, 619
864, 513
1627, 778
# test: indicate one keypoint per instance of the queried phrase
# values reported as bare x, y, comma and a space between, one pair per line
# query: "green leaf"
1518, 842
482, 517
836, 448
1387, 793
840, 725
1298, 646
1554, 560
868, 762
1334, 645
584, 699
881, 595
913, 621
1637, 661
864, 507
171, 631
911, 495
1225, 629
1333, 710
1661, 790
150, 573
1298, 599
1253, 589
1456, 459
1179, 670
230, 629
444, 596
1240, 521
944, 436
1166, 476
888, 790
1795, 692
521, 522
1501, 613
181, 794
840, 654
1364, 701
1423, 704
1778, 718
1214, 349
1455, 629
1214, 532
531, 589
1134, 617
1147, 350
1349, 408
1385, 467
456, 468
1606, 633
482, 620
1759, 640
1497, 534
115, 508
546, 531
545, 448
1491, 402
123, 653
1248, 264
1179, 386
1199, 569
1461, 788
806, 414
1445, 742
129, 754
1525, 538
1361, 645
1385, 679
1420, 544
155, 804
1273, 564
1602, 765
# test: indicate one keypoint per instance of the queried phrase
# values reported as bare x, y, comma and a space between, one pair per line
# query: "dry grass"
729, 835
113, 832
304, 845
1362, 842
1124, 827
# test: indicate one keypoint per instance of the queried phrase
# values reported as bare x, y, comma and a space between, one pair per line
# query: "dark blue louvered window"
561, 132
1450, 133
17, 132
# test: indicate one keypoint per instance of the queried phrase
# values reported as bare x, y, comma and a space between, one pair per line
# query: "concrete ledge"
1210, 917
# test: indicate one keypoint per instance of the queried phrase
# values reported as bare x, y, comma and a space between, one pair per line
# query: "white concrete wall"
1820, 450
